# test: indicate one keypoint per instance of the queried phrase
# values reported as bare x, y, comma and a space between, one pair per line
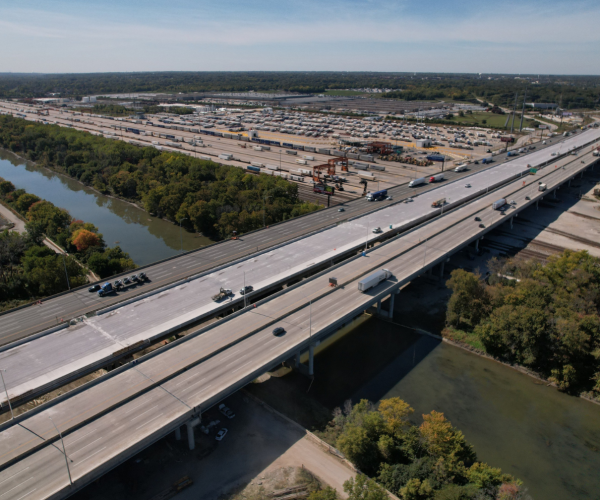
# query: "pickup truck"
223, 292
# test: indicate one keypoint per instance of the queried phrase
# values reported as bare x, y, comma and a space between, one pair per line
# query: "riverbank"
145, 238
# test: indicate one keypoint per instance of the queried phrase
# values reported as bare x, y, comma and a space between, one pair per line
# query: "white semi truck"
373, 280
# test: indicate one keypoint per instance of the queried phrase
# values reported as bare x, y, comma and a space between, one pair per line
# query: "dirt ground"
259, 444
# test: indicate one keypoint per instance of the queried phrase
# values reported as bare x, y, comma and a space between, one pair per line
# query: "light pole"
64, 451
66, 273
6, 391
244, 289
180, 233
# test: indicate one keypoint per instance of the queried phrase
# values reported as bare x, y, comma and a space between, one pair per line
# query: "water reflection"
146, 238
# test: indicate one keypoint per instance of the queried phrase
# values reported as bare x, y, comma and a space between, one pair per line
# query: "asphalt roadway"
53, 311
195, 374
54, 359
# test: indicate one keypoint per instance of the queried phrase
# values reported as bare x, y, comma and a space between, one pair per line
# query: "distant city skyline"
527, 37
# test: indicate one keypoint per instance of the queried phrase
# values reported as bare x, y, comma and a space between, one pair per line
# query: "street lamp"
64, 451
6, 391
180, 233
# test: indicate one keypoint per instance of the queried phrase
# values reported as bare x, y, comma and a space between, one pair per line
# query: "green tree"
363, 488
469, 302
25, 201
327, 493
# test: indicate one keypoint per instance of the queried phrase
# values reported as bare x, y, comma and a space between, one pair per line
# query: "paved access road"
24, 322
212, 371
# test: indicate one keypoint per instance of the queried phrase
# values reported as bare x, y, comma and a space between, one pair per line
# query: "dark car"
278, 331
134, 277
94, 288
246, 289
341, 209
142, 276
126, 280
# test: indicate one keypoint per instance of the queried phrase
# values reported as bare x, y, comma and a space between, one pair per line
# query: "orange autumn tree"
83, 239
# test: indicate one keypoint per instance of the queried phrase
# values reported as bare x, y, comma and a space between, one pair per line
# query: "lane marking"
83, 460
157, 416
15, 474
20, 484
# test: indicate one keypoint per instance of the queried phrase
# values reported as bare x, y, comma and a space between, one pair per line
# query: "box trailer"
497, 205
373, 280
417, 182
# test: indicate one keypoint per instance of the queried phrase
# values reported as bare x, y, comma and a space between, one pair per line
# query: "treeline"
431, 460
80, 239
570, 91
541, 316
118, 110
206, 197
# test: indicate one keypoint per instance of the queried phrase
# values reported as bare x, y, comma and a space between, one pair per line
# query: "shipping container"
497, 205
225, 156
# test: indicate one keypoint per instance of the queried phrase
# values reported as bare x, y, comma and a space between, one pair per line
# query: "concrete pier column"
554, 194
477, 244
511, 222
582, 173
311, 360
379, 307
442, 270
178, 434
297, 361
391, 306
569, 183
537, 205
190, 434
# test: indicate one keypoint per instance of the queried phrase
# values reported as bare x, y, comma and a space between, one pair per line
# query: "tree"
395, 413
469, 301
83, 239
444, 441
363, 488
484, 476
416, 489
25, 201
327, 493
359, 448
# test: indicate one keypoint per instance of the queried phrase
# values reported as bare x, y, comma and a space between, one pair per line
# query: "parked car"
467, 185
221, 434
94, 288
226, 411
278, 331
246, 289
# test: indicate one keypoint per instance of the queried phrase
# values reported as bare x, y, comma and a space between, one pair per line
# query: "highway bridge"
37, 364
21, 323
109, 420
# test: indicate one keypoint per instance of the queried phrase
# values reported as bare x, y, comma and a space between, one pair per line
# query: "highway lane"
52, 311
143, 419
217, 345
54, 359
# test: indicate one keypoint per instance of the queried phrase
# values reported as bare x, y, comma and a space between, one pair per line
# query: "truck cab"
105, 289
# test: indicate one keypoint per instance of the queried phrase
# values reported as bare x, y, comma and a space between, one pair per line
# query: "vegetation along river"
146, 238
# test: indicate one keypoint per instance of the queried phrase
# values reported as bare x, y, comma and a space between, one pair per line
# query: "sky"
501, 36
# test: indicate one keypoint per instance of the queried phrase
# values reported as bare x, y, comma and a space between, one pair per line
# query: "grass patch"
463, 336
492, 120
344, 93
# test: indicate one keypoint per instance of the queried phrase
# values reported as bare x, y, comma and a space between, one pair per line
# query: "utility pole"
66, 273
64, 451
181, 233
523, 110
512, 125
12, 416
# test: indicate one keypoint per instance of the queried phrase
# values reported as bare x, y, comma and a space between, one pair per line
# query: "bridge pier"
442, 270
178, 434
511, 222
554, 193
297, 360
569, 185
391, 306
477, 244
190, 424
379, 307
537, 205
311, 360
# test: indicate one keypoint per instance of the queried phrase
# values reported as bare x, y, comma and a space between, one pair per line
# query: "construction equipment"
439, 203
383, 148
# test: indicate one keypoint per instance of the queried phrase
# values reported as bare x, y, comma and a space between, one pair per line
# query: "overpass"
38, 364
110, 420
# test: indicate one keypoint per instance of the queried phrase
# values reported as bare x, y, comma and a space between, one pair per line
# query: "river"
147, 239
547, 439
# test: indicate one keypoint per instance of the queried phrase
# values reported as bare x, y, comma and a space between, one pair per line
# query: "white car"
467, 185
221, 434
377, 230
